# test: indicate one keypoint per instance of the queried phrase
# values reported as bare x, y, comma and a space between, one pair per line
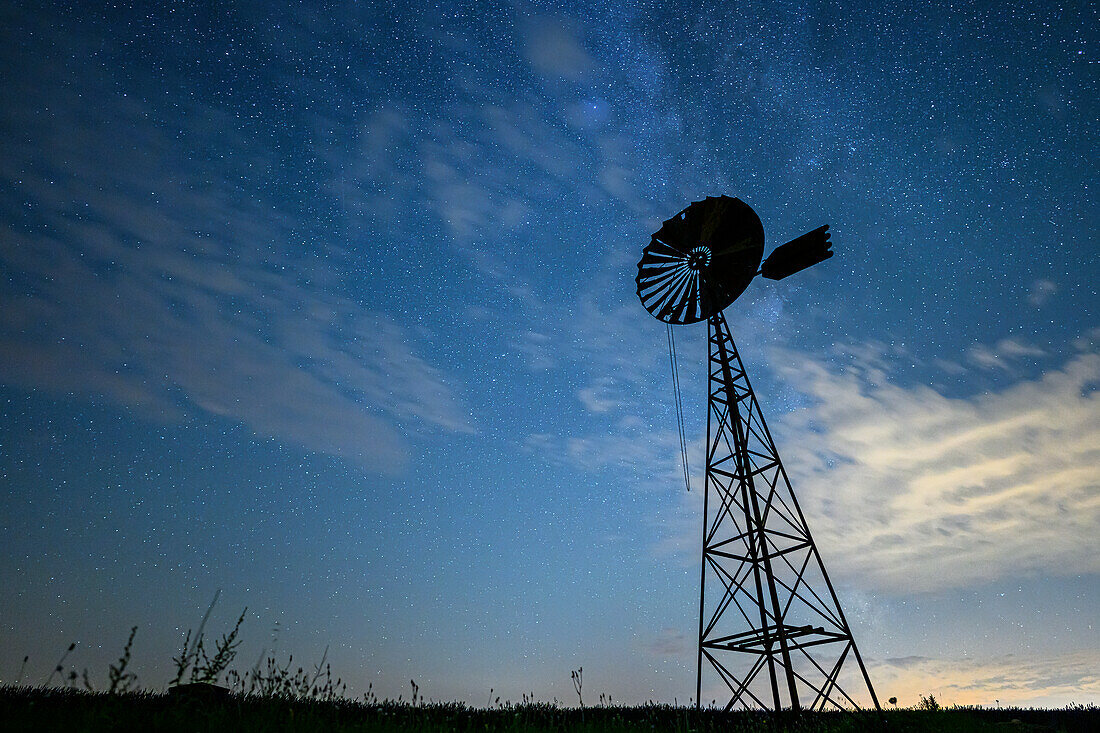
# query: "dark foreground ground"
27, 709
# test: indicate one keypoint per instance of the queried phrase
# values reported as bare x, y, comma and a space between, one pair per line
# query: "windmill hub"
699, 258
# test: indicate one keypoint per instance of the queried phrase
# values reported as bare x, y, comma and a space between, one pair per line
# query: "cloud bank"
907, 489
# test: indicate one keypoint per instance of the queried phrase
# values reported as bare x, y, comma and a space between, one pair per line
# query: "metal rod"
703, 563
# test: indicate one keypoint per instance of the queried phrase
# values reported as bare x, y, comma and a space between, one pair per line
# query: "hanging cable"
679, 404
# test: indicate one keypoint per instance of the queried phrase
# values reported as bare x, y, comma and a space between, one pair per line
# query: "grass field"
71, 710
206, 695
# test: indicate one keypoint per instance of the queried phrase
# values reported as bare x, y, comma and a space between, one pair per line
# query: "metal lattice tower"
770, 623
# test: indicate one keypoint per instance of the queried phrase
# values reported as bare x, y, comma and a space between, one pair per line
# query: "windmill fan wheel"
700, 260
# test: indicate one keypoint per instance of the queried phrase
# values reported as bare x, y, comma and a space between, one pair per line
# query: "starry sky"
331, 307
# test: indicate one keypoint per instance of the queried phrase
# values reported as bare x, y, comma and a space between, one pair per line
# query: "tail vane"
798, 254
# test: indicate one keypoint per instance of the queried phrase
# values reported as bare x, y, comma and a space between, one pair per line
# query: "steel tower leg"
765, 600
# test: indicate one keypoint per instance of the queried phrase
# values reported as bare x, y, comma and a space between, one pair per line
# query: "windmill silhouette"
770, 624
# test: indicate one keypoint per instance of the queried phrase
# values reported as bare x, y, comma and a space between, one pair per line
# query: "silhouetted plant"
118, 678
203, 667
578, 681
279, 682
190, 649
225, 650
60, 666
928, 703
893, 701
369, 697
22, 670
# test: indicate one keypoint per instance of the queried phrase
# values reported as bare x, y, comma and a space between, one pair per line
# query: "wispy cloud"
140, 273
669, 642
1034, 680
554, 47
1042, 290
630, 446
598, 396
1004, 355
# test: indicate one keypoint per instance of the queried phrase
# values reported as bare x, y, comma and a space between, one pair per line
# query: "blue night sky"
332, 307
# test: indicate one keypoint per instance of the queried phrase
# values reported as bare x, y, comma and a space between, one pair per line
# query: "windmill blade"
798, 254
